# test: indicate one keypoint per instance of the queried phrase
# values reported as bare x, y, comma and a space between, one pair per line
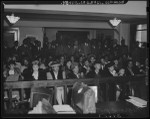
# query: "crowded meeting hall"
61, 58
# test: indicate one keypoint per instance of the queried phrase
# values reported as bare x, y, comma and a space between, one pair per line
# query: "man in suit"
57, 74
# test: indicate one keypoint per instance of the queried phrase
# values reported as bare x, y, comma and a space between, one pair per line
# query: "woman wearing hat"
57, 74
12, 73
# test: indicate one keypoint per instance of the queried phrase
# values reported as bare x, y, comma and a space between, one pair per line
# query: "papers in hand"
137, 101
94, 88
37, 109
64, 109
43, 107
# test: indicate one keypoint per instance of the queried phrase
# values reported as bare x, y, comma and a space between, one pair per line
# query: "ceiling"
50, 15
132, 12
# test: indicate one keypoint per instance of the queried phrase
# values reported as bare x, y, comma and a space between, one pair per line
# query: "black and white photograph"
75, 59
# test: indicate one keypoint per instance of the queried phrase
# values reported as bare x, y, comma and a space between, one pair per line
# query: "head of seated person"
97, 66
130, 64
92, 59
55, 66
35, 67
86, 63
102, 60
116, 61
62, 59
81, 58
12, 74
11, 65
25, 62
15, 57
35, 61
72, 58
43, 64
68, 64
75, 68
121, 72
75, 71
111, 69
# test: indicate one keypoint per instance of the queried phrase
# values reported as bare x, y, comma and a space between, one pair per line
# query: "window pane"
144, 36
144, 26
138, 36
141, 36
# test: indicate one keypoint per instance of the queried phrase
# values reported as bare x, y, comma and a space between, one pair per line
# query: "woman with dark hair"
129, 68
116, 65
68, 68
62, 62
81, 58
92, 59
72, 58
24, 64
12, 73
86, 69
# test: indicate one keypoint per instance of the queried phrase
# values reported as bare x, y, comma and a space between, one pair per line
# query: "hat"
110, 64
55, 63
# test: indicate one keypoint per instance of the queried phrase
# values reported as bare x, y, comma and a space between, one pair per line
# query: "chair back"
83, 98
37, 94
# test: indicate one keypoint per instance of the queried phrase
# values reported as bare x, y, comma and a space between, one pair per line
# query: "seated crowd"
19, 66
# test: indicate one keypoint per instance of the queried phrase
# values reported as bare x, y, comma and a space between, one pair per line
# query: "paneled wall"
30, 31
35, 28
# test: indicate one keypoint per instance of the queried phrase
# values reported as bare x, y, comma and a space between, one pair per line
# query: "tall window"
141, 33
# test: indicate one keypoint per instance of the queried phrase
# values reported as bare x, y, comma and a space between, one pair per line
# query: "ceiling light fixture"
12, 19
115, 22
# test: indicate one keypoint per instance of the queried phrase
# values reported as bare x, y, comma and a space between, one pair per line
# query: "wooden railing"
11, 85
51, 83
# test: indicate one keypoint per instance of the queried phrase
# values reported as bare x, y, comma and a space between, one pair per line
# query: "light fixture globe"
12, 19
115, 22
